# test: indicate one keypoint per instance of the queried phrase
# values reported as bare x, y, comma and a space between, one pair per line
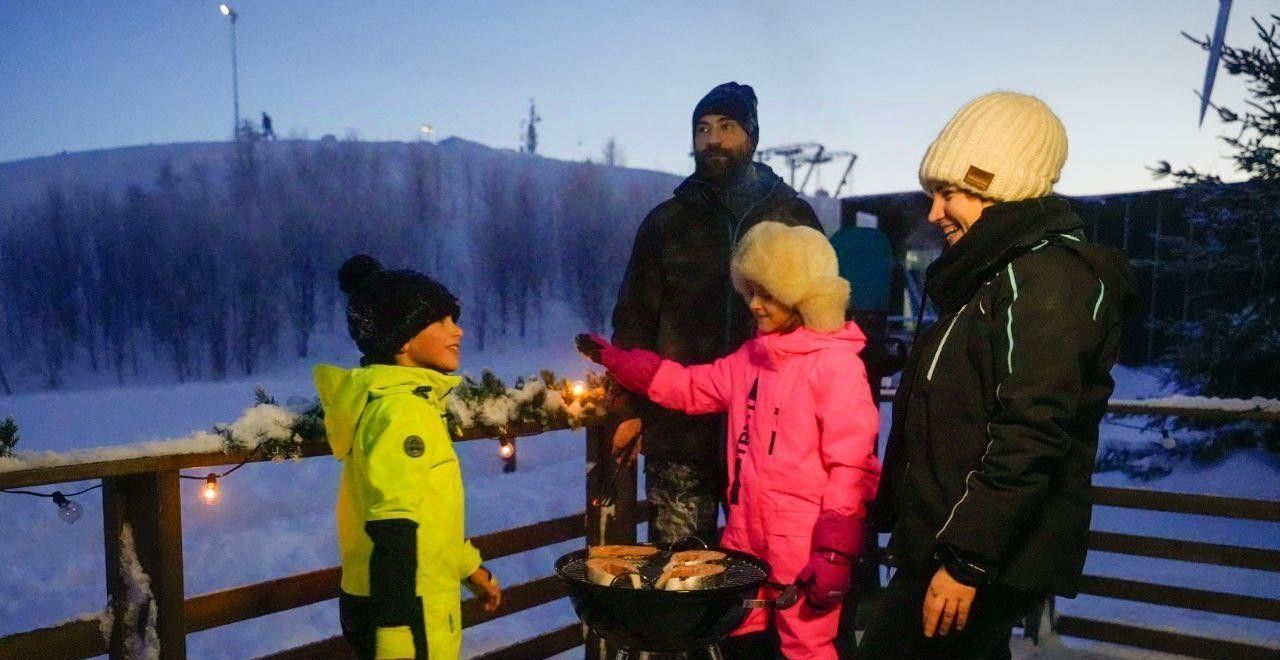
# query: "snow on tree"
1230, 347
218, 266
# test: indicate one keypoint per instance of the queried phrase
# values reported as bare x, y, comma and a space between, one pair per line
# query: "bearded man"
677, 300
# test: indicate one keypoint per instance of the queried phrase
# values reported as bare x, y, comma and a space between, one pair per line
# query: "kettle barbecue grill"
656, 620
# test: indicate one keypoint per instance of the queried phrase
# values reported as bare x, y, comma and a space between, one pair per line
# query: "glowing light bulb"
226, 11
578, 389
68, 510
507, 450
210, 491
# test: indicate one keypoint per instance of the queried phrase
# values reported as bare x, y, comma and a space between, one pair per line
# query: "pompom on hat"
1002, 146
387, 308
798, 267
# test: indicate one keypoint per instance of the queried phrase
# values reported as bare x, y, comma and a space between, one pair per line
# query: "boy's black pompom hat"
387, 308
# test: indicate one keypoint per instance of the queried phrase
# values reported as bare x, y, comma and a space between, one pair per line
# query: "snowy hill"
114, 170
206, 261
209, 260
25, 181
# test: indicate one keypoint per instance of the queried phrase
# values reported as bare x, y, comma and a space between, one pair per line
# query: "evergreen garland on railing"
8, 436
541, 402
486, 407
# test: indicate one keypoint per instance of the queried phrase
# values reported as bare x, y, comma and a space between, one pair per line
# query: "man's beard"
721, 166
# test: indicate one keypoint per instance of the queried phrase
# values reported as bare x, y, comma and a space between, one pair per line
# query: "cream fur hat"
1002, 146
797, 266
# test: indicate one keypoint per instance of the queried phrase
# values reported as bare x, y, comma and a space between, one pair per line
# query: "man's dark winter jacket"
995, 423
677, 299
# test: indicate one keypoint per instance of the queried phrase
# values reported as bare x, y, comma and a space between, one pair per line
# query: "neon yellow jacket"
385, 423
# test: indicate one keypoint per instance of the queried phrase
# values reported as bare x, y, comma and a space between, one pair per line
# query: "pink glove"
825, 580
837, 542
633, 369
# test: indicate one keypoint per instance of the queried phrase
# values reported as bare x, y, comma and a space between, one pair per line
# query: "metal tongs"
609, 488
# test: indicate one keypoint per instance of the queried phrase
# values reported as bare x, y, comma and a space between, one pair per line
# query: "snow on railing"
258, 424
1204, 403
486, 406
138, 603
1181, 405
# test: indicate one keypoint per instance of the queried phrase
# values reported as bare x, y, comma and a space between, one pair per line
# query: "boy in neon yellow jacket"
400, 511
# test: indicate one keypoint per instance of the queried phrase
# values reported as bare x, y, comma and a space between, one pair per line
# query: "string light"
210, 491
69, 510
507, 450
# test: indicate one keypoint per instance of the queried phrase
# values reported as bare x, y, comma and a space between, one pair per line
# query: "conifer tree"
8, 436
1229, 346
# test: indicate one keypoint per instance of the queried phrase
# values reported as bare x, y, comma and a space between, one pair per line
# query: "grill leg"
713, 652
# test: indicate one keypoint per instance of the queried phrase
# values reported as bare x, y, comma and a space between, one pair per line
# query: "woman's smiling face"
954, 211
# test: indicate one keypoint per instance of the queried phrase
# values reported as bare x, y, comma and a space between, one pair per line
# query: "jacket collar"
345, 393
1004, 231
773, 349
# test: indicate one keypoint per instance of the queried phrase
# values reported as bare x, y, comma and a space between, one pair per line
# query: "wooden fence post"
151, 505
616, 521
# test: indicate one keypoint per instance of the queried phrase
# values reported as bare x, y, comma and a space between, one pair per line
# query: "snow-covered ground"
276, 519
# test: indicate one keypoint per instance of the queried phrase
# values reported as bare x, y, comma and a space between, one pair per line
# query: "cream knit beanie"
1002, 146
797, 266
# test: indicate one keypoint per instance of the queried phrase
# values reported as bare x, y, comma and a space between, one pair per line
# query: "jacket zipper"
943, 342
744, 443
773, 437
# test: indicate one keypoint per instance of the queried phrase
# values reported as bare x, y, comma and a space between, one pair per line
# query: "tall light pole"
235, 74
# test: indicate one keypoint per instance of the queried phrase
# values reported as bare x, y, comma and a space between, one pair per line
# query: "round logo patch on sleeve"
414, 447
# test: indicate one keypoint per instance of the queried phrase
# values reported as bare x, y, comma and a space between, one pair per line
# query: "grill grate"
738, 573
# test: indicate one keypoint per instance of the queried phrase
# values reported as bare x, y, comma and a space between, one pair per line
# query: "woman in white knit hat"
802, 430
996, 419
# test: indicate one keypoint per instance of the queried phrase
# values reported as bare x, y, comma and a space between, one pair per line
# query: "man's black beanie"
737, 102
387, 308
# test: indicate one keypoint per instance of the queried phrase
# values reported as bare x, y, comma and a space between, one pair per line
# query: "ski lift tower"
809, 154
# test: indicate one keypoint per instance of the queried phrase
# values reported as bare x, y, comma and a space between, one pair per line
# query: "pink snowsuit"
802, 435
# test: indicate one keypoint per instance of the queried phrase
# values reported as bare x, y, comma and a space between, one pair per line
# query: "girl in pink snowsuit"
802, 427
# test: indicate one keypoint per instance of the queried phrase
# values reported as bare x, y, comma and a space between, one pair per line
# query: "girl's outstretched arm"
696, 389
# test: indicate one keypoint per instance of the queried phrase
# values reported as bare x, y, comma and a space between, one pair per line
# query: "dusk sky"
877, 78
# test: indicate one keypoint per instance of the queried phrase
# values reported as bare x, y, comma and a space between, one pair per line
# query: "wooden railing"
144, 494
1254, 607
1216, 602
